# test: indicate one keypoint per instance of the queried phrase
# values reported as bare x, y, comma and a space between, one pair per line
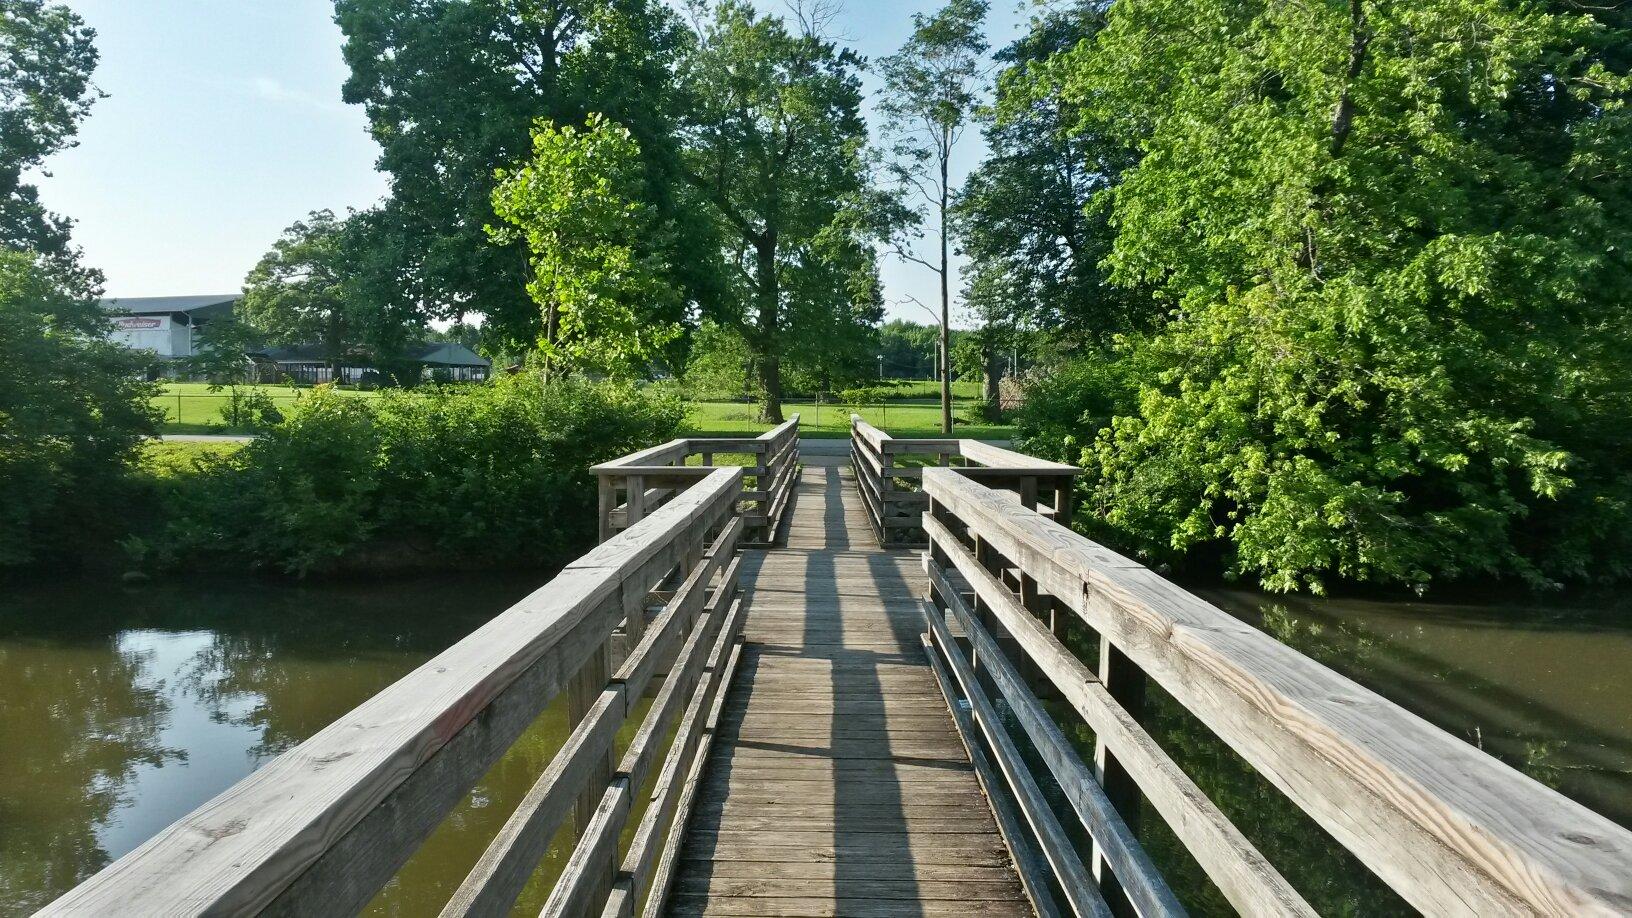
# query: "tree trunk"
994, 373
946, 314
770, 332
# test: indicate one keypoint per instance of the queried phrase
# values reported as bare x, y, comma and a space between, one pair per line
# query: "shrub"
466, 476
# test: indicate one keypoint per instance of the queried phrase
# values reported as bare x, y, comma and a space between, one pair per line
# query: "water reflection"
122, 710
1544, 689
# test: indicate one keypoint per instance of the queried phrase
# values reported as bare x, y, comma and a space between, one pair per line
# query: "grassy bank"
730, 419
191, 408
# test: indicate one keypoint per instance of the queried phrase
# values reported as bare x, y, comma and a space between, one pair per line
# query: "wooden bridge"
863, 683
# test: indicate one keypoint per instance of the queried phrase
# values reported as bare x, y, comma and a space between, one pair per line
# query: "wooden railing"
1452, 830
639, 483
888, 471
320, 829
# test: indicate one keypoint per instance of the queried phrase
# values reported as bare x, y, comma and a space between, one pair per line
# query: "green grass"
962, 389
169, 458
193, 408
730, 419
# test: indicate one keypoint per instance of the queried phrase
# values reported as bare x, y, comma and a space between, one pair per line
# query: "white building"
166, 325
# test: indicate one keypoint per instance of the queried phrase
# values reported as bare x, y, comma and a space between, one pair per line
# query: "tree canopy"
453, 91
577, 203
331, 281
1390, 240
773, 143
47, 56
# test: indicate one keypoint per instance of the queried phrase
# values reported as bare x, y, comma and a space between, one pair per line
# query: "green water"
122, 709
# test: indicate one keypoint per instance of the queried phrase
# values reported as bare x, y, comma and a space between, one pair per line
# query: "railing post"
886, 462
1125, 682
608, 500
636, 506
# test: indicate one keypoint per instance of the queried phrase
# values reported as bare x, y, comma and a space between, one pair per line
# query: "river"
123, 708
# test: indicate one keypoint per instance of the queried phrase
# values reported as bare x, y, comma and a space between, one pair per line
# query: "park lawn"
190, 407
733, 419
962, 389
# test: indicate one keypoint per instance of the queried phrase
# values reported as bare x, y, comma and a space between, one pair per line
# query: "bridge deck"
837, 784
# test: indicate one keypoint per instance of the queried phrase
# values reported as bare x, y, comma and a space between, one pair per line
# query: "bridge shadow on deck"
837, 784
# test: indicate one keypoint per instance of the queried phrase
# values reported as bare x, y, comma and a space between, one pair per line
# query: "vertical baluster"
1126, 683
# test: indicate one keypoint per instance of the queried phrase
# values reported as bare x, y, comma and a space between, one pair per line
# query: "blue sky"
223, 124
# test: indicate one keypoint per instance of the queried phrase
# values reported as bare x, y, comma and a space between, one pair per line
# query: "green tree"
774, 144
720, 366
327, 281
73, 414
931, 88
577, 204
47, 56
1027, 218
909, 349
1394, 238
453, 89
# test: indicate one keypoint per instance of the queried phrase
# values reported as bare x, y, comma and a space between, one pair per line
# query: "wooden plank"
674, 782
835, 750
244, 849
1144, 885
771, 907
1027, 858
1056, 846
1242, 873
1451, 829
662, 880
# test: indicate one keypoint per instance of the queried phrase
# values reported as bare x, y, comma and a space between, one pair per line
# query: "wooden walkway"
837, 784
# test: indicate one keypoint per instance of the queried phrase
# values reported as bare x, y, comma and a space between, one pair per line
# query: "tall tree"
931, 88
47, 56
1395, 237
325, 282
774, 143
453, 89
1027, 219
577, 204
73, 413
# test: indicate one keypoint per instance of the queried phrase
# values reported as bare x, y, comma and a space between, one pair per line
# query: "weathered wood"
1029, 861
394, 766
859, 749
673, 781
1242, 874
663, 875
1451, 829
1147, 890
1056, 846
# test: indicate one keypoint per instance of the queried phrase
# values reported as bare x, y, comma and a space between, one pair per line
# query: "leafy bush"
467, 476
73, 414
250, 409
1068, 405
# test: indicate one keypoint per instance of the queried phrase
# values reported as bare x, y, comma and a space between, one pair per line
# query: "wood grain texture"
1241, 872
1453, 830
836, 773
247, 847
1146, 888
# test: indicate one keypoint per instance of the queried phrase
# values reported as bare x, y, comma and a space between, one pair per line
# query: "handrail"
320, 829
634, 485
1451, 829
894, 502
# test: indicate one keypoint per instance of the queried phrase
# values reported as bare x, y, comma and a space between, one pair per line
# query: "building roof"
199, 307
